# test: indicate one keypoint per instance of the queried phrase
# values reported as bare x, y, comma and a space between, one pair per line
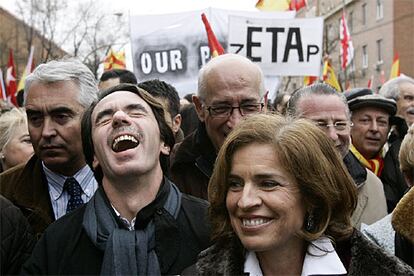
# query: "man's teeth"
124, 138
254, 222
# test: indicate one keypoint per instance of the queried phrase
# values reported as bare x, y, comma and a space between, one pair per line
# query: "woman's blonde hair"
406, 154
308, 155
9, 121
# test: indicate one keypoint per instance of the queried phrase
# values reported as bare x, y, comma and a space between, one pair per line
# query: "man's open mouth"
124, 142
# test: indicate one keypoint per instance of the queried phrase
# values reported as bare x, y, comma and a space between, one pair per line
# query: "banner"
283, 47
173, 47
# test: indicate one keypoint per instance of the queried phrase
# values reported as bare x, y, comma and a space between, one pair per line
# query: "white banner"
283, 47
173, 47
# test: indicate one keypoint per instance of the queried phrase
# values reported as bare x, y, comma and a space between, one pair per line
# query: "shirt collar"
56, 181
320, 259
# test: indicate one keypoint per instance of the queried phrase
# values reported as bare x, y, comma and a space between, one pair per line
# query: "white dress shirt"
59, 197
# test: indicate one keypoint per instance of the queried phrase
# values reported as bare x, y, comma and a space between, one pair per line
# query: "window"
364, 57
351, 22
364, 14
380, 9
379, 50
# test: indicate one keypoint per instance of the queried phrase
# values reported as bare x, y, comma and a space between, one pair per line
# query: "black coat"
392, 178
65, 248
359, 256
193, 162
17, 238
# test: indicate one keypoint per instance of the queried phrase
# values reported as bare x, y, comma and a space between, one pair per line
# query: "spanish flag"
395, 68
273, 5
329, 76
114, 60
29, 68
308, 80
215, 47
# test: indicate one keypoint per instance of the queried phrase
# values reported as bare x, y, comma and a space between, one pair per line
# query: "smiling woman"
281, 201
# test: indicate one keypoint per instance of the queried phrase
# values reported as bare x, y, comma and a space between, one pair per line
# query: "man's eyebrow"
103, 113
110, 111
32, 111
136, 106
62, 109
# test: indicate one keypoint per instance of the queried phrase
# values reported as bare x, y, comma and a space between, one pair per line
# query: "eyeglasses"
338, 126
223, 111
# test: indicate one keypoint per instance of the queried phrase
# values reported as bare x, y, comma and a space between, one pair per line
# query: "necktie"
75, 191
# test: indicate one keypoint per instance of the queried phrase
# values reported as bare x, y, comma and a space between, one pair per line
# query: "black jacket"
65, 248
359, 256
193, 163
17, 239
392, 178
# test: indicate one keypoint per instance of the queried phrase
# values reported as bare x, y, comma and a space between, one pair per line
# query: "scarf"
132, 252
375, 164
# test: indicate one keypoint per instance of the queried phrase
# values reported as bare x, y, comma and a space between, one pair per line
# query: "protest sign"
283, 47
173, 47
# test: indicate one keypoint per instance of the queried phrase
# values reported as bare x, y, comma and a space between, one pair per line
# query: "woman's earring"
309, 222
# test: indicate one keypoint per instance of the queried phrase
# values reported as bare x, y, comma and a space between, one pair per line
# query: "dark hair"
189, 97
159, 88
189, 119
125, 76
166, 134
307, 154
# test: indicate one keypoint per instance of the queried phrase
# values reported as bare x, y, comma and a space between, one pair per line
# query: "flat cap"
364, 97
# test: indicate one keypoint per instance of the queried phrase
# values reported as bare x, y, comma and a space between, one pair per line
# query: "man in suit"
138, 222
56, 179
329, 110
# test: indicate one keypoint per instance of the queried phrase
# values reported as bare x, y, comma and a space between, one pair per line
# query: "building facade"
18, 36
379, 29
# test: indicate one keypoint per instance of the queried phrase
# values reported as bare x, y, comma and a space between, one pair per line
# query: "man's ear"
95, 163
165, 149
199, 108
176, 123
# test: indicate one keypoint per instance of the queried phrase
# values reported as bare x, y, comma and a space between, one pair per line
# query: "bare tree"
83, 31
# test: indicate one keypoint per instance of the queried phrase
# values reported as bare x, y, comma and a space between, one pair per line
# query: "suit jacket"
371, 205
26, 187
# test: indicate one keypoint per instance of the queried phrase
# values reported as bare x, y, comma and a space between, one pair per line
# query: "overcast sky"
156, 6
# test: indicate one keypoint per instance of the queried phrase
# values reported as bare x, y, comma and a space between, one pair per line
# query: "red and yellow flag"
329, 76
29, 68
273, 5
215, 47
114, 60
308, 80
395, 68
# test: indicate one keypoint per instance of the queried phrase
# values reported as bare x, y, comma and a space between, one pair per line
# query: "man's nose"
120, 118
234, 118
332, 133
49, 129
373, 126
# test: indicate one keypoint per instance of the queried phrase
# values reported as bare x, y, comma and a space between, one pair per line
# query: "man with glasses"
329, 110
230, 87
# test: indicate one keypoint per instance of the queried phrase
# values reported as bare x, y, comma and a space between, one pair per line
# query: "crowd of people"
122, 177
